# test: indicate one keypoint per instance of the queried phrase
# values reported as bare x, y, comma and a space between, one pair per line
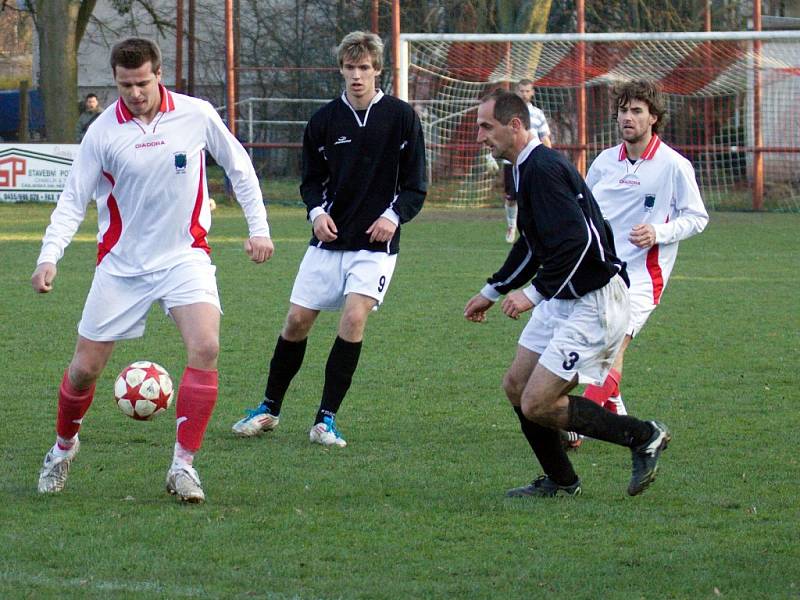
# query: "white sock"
182, 457
511, 214
64, 446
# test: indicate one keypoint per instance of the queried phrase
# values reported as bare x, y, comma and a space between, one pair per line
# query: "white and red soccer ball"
143, 390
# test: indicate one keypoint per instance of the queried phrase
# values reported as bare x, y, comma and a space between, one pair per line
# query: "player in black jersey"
578, 291
363, 175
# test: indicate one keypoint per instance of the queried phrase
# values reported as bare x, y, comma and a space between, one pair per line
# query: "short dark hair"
132, 53
508, 105
645, 91
524, 82
90, 95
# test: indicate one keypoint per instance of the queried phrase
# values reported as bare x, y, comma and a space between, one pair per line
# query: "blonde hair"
358, 44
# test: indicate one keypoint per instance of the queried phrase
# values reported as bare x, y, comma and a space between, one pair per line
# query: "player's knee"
535, 407
512, 387
82, 374
204, 354
297, 326
352, 325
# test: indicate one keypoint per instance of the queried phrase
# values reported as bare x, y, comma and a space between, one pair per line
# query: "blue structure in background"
9, 114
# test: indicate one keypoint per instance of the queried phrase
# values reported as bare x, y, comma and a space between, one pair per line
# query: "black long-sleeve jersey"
565, 244
356, 167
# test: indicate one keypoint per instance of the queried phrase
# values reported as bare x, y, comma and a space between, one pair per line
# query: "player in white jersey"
539, 129
649, 195
143, 160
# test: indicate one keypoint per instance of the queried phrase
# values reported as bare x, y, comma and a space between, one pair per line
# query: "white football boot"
184, 482
325, 433
257, 421
53, 474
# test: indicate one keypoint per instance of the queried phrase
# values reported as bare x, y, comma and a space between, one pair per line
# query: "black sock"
546, 446
286, 361
342, 363
591, 420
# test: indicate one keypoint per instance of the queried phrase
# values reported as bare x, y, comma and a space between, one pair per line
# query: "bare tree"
60, 25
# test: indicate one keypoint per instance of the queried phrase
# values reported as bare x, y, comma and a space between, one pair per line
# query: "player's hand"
382, 230
643, 235
259, 248
42, 278
515, 304
476, 308
324, 228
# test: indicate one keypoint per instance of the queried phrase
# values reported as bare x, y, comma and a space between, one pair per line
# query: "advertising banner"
34, 172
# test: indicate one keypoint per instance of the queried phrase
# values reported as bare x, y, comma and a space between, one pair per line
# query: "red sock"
72, 405
197, 396
600, 394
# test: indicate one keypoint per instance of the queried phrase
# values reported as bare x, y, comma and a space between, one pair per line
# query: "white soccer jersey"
150, 187
659, 189
538, 122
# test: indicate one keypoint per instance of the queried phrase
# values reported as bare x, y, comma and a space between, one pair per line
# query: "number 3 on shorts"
570, 363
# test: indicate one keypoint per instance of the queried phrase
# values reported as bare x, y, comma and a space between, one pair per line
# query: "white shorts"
325, 277
116, 307
580, 336
641, 308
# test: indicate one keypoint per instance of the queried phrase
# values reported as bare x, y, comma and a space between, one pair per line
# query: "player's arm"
314, 179
476, 308
69, 212
513, 305
233, 158
43, 276
518, 302
544, 132
692, 216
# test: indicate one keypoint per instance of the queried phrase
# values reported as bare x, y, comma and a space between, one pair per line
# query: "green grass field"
413, 507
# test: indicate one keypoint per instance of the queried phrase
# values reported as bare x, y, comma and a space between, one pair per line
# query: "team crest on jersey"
180, 162
649, 202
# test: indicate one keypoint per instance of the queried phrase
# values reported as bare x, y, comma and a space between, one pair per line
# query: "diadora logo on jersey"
630, 179
343, 139
180, 162
150, 144
649, 202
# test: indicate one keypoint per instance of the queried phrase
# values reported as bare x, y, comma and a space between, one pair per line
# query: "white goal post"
732, 100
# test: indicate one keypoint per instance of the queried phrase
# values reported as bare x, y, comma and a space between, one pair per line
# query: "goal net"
716, 83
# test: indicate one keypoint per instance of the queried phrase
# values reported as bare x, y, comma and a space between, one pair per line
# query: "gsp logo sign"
11, 168
34, 172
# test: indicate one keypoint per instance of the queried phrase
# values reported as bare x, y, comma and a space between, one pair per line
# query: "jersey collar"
521, 158
375, 99
649, 152
167, 105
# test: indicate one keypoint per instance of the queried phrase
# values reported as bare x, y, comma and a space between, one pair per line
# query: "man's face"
525, 92
138, 89
91, 104
359, 78
635, 121
492, 133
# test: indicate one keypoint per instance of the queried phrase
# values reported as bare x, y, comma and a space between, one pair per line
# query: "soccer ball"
143, 390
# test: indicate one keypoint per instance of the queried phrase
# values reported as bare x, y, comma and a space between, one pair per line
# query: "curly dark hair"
645, 91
